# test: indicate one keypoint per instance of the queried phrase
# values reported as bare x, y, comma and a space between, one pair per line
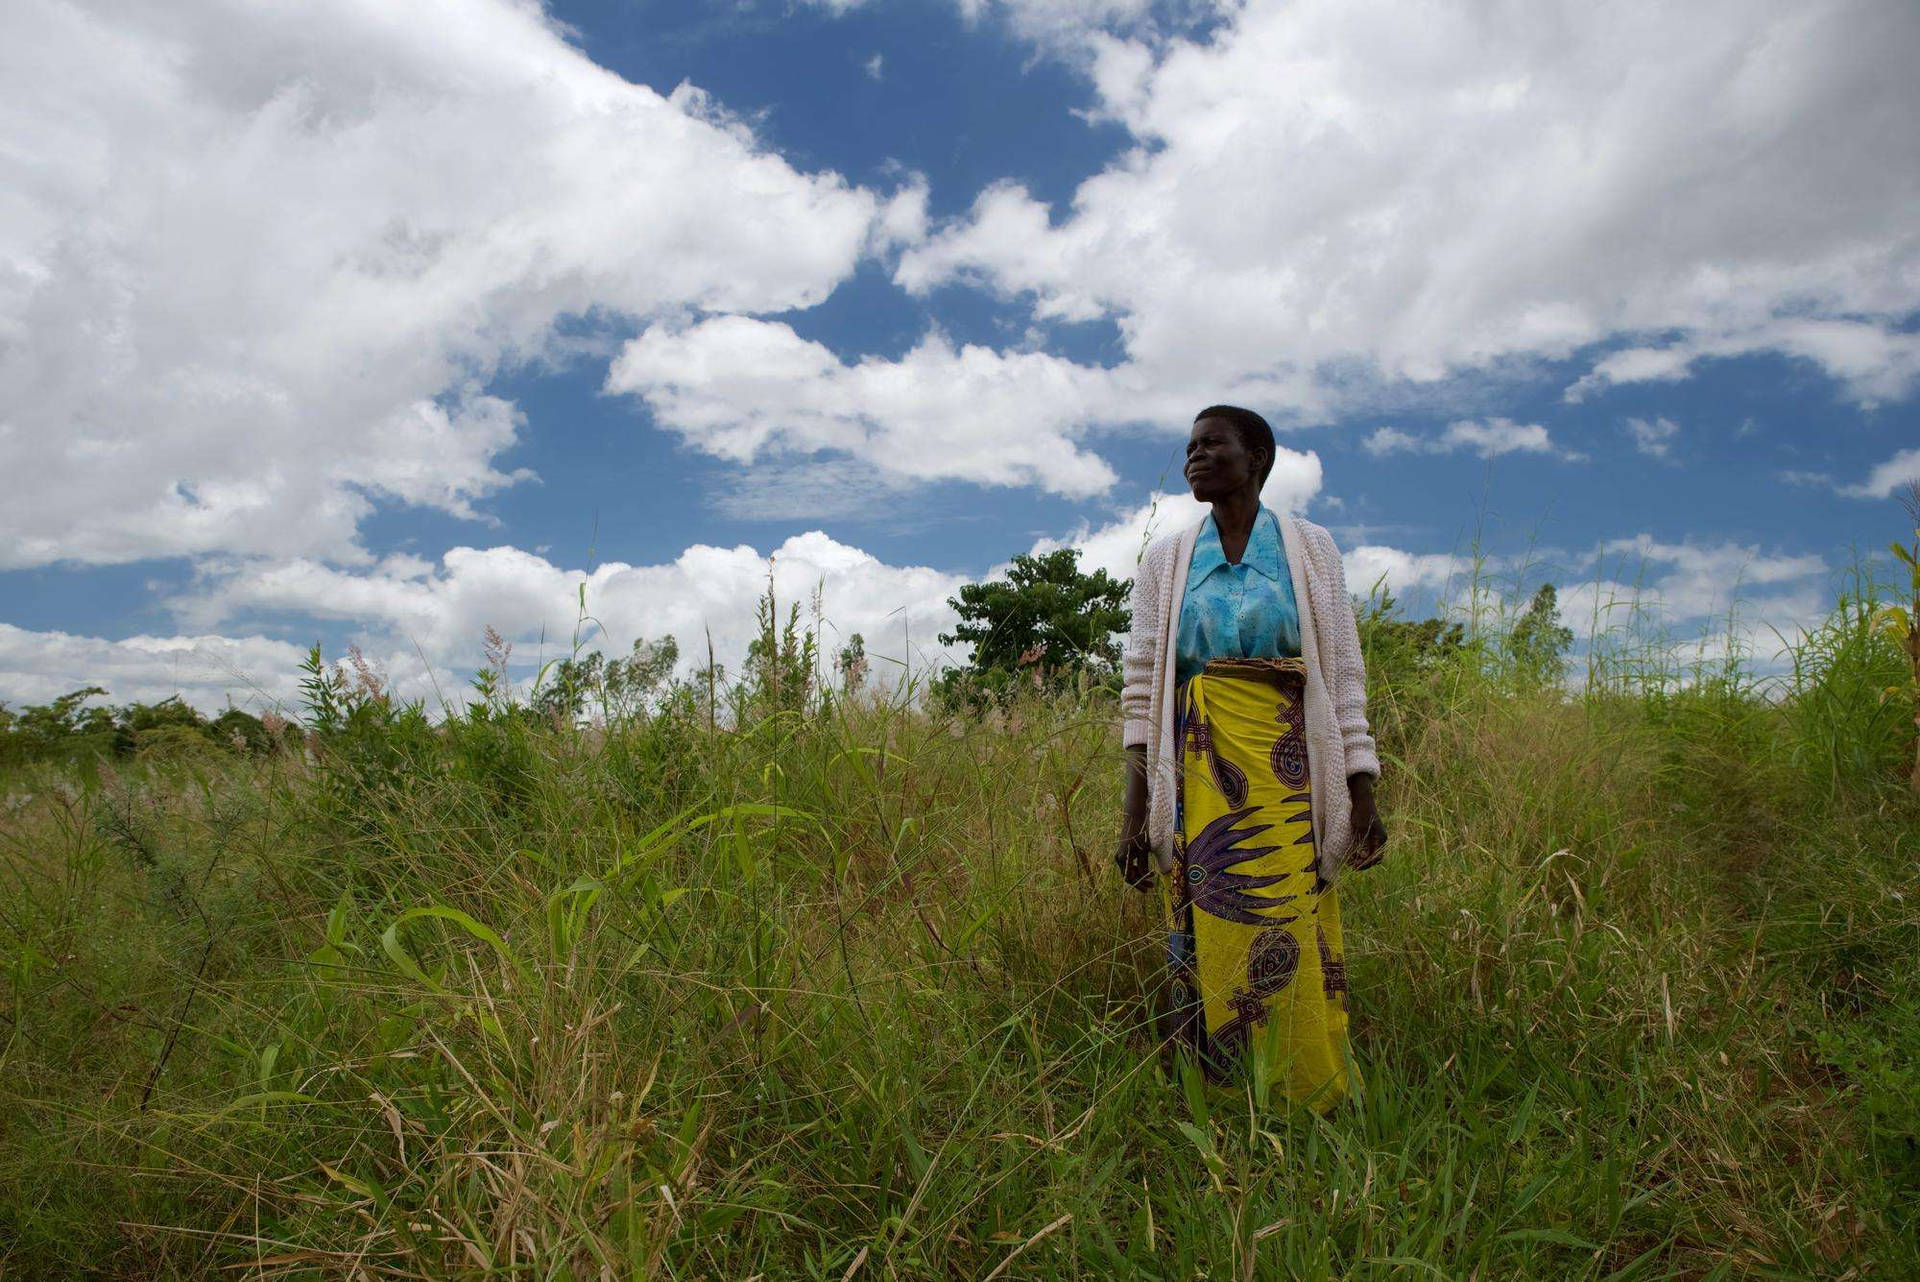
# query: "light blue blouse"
1244, 611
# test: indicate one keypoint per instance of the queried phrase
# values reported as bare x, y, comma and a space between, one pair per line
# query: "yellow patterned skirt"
1258, 988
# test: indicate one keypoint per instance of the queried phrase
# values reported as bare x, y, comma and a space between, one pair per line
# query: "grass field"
855, 992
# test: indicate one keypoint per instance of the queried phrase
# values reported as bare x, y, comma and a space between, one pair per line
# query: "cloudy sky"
382, 323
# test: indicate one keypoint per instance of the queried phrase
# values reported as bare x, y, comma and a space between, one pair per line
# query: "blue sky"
379, 326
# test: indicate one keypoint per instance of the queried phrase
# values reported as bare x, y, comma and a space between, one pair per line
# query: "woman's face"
1218, 463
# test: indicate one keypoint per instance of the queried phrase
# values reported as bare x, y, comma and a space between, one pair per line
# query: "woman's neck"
1233, 517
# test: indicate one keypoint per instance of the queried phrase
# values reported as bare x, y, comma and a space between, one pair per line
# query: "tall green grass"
855, 993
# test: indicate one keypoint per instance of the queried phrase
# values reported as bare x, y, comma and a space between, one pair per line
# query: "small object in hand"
1135, 863
1370, 847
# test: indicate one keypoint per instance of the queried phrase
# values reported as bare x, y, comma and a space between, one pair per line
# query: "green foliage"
1538, 643
782, 662
1880, 1059
1899, 622
1414, 667
1845, 729
244, 731
1045, 626
72, 729
66, 717
851, 663
366, 746
591, 685
1403, 651
492, 688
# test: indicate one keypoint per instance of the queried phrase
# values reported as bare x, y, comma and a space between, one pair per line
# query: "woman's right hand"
1134, 858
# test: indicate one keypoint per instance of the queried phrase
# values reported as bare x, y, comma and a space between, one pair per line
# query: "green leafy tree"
852, 664
71, 728
1046, 623
616, 688
1399, 650
1539, 642
66, 717
63, 727
170, 726
570, 682
631, 683
242, 731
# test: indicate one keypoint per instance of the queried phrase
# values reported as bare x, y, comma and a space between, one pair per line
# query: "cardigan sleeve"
1136, 665
1340, 642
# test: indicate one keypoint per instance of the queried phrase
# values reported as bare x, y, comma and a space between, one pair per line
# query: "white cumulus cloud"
257, 262
1716, 594
1334, 194
736, 386
253, 671
1398, 571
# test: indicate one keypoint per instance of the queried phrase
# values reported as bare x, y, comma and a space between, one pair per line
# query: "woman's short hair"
1255, 434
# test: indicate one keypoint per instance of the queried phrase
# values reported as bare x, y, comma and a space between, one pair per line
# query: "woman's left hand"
1369, 834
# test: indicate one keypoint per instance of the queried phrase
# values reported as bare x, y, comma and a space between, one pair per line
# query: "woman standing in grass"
1250, 770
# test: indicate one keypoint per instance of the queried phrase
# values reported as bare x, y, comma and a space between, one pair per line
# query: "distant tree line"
1046, 627
73, 727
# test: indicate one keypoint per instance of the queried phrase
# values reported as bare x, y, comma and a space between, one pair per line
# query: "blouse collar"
1262, 555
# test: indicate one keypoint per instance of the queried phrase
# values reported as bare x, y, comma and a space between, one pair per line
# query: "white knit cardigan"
1338, 741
